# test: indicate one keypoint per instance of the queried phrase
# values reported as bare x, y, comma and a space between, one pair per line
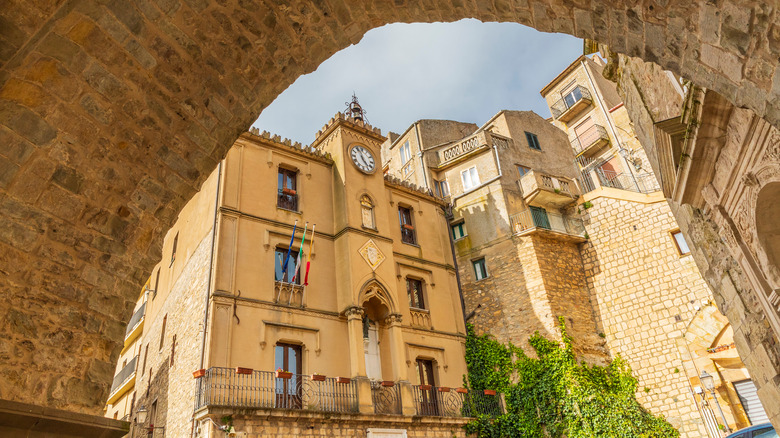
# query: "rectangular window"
173, 348
682, 245
287, 190
153, 413
146, 355
441, 188
458, 232
415, 291
406, 153
533, 141
480, 270
173, 251
407, 228
572, 97
470, 178
280, 255
522, 170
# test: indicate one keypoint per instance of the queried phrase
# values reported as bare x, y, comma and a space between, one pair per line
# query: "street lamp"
142, 412
709, 384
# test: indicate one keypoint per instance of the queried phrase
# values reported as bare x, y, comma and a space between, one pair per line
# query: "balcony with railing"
246, 388
136, 325
555, 225
290, 294
463, 147
590, 141
571, 104
640, 183
455, 402
287, 199
541, 189
242, 388
123, 381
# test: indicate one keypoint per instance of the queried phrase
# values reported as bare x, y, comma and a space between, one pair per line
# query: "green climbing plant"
555, 396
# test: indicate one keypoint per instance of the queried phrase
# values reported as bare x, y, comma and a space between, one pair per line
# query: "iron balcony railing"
566, 102
287, 201
591, 136
124, 375
136, 318
386, 397
534, 218
226, 387
452, 402
640, 183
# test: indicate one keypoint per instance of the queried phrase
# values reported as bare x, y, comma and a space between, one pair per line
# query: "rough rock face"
112, 113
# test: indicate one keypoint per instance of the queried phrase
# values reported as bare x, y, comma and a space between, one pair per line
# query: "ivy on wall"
553, 395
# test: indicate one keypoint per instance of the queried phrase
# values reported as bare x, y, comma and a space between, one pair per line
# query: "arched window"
367, 208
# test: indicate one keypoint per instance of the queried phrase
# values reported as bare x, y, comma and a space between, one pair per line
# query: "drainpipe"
420, 155
609, 121
211, 266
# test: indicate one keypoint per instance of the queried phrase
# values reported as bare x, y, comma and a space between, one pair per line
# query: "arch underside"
114, 113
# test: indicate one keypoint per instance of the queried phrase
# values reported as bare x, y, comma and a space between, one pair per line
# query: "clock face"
363, 159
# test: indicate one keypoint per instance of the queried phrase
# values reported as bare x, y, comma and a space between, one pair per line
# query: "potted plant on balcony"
461, 390
408, 226
426, 387
288, 191
242, 370
282, 374
343, 380
388, 383
443, 389
318, 377
490, 392
199, 373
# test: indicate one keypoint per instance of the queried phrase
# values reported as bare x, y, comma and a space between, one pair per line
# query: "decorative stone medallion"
371, 254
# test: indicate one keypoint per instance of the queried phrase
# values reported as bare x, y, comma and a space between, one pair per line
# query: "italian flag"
300, 255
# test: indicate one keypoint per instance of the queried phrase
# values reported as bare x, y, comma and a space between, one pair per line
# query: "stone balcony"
465, 147
590, 142
543, 190
557, 226
568, 106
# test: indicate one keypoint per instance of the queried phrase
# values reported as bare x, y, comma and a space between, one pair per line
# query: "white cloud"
464, 71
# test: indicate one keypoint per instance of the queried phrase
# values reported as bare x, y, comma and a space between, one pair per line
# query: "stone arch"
376, 300
114, 114
767, 220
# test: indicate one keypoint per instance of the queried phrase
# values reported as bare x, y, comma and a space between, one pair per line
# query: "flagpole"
297, 267
289, 249
308, 264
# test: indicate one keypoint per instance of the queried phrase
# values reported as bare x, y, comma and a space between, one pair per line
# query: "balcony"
287, 199
568, 106
640, 183
544, 190
290, 294
123, 381
462, 148
590, 142
249, 389
455, 402
420, 318
558, 226
136, 325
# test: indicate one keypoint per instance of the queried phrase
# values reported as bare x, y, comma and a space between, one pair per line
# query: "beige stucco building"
374, 339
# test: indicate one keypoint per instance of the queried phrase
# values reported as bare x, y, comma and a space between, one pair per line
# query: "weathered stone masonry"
113, 114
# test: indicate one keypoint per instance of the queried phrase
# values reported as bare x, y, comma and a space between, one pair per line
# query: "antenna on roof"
355, 111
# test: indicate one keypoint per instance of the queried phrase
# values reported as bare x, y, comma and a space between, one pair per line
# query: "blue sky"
465, 71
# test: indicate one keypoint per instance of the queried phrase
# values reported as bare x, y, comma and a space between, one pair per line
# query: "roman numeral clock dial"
362, 159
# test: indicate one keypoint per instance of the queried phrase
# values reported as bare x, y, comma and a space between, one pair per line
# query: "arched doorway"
768, 231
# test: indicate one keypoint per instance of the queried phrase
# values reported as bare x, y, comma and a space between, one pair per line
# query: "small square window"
480, 270
458, 231
522, 170
679, 241
533, 141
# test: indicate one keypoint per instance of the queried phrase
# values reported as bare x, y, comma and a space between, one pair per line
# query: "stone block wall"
644, 295
289, 424
171, 382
